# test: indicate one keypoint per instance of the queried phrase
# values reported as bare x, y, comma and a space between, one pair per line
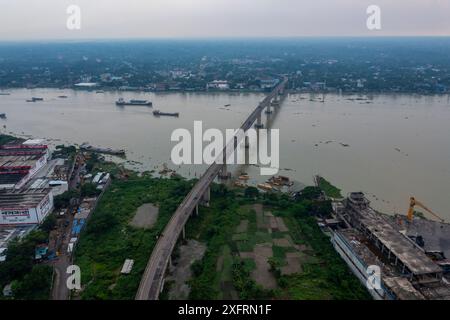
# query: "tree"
49, 223
311, 193
90, 164
251, 192
101, 222
89, 190
35, 285
63, 200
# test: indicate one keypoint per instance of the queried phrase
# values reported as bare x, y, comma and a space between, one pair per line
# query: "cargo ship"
87, 147
169, 114
122, 102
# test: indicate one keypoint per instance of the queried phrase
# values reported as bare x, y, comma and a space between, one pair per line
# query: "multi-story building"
19, 162
25, 207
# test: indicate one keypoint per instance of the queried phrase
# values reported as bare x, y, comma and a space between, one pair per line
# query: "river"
389, 146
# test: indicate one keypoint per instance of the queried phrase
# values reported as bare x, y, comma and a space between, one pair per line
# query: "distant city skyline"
109, 19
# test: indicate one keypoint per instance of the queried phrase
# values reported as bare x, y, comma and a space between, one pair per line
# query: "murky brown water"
390, 147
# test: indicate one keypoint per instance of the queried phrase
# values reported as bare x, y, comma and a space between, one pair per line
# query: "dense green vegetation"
35, 285
215, 227
329, 189
323, 276
89, 190
7, 138
29, 281
109, 239
330, 277
410, 64
63, 200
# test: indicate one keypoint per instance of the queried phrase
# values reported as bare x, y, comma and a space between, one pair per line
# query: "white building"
25, 207
86, 85
218, 85
20, 162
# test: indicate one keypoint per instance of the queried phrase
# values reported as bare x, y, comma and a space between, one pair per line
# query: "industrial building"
19, 162
370, 239
24, 207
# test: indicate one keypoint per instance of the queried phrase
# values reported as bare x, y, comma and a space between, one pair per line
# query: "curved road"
154, 273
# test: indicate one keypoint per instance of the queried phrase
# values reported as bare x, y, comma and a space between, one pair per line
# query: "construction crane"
413, 203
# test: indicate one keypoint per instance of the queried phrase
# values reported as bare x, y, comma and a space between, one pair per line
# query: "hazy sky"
46, 19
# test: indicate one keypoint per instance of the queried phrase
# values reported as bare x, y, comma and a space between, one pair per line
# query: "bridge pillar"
258, 122
247, 142
184, 234
224, 174
206, 198
196, 210
276, 101
269, 110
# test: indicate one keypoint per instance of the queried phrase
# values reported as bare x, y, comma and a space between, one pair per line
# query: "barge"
121, 102
35, 99
158, 113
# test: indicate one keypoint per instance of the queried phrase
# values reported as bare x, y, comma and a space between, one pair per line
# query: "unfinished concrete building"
408, 273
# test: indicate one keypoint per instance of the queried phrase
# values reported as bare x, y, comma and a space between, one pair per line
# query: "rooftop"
16, 199
397, 243
411, 256
402, 288
11, 178
9, 233
14, 161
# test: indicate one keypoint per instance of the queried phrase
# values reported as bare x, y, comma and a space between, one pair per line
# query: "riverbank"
362, 153
298, 246
265, 246
100, 89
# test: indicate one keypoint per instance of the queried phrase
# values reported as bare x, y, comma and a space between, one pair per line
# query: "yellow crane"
413, 203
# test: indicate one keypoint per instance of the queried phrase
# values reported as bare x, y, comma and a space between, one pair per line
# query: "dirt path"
145, 217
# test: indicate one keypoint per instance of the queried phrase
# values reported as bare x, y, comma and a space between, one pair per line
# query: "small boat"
2, 115
265, 186
4, 93
227, 105
122, 102
240, 184
158, 113
62, 97
34, 99
280, 181
244, 177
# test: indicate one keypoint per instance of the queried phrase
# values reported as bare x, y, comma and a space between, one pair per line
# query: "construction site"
410, 252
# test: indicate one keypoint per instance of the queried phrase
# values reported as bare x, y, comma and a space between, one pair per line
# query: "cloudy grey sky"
46, 19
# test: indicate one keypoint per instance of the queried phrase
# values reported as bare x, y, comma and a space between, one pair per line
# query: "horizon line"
208, 38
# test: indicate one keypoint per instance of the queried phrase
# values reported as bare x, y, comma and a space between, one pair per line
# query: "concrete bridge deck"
152, 280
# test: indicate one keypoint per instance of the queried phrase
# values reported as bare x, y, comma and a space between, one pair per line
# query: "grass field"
275, 253
109, 239
264, 248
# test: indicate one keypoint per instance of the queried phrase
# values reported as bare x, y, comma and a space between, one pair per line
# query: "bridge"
153, 279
